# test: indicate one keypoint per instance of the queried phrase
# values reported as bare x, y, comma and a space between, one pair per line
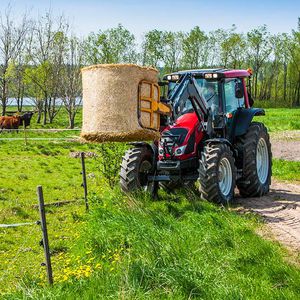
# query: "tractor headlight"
160, 151
174, 77
180, 150
211, 75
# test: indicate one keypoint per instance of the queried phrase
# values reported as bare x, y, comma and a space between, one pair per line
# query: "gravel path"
280, 210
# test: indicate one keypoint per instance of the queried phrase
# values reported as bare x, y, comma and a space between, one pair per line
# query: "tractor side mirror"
239, 89
163, 85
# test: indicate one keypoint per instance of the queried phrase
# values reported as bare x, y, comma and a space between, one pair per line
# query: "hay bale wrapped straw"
112, 105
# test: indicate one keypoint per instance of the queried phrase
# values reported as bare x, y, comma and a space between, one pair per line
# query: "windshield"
209, 91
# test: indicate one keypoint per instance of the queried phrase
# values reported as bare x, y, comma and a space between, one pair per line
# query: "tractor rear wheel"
135, 168
255, 148
217, 173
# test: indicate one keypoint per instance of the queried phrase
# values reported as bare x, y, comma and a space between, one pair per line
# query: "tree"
116, 45
294, 67
195, 52
153, 48
71, 92
258, 50
47, 49
233, 49
172, 50
12, 37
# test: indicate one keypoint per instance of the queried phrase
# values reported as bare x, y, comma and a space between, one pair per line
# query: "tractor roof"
227, 73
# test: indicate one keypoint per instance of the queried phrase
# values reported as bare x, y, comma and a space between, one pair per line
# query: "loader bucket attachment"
149, 106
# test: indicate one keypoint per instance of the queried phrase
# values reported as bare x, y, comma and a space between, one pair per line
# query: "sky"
140, 16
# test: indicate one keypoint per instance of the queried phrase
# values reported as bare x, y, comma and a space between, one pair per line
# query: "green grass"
22, 168
286, 170
129, 247
171, 249
279, 119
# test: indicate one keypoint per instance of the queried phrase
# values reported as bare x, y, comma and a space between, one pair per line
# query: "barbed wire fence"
25, 131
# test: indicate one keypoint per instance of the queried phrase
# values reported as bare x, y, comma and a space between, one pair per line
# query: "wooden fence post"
84, 184
25, 135
45, 234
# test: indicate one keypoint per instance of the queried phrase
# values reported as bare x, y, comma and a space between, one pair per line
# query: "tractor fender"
243, 119
219, 141
151, 147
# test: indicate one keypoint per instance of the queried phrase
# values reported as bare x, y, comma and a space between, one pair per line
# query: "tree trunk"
298, 92
255, 85
284, 81
3, 107
39, 117
45, 111
71, 120
4, 97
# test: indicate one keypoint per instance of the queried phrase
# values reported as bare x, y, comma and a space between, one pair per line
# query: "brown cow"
10, 122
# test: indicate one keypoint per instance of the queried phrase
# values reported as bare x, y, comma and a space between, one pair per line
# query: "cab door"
234, 100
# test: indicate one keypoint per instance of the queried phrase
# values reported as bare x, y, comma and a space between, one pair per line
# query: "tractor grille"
173, 137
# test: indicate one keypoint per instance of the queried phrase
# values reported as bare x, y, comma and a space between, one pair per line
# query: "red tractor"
210, 138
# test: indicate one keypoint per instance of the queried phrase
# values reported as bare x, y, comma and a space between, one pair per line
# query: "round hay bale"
110, 102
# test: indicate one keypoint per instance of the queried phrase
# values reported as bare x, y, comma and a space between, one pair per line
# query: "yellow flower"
98, 266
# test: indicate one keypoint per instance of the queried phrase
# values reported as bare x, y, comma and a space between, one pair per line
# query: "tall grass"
174, 249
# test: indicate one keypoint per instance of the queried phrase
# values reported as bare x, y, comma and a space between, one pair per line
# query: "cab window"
231, 102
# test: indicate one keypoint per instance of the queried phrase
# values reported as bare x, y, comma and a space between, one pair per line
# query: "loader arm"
188, 90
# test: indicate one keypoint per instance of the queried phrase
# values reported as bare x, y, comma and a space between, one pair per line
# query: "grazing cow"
10, 122
26, 118
14, 122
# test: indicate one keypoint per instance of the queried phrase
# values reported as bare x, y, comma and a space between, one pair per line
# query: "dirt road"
280, 210
286, 145
281, 207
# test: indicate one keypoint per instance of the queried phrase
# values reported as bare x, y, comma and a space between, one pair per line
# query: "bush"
110, 156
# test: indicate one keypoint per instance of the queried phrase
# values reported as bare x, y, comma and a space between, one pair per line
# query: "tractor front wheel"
217, 173
255, 148
135, 168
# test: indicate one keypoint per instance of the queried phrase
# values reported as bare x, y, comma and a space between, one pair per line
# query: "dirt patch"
286, 145
280, 210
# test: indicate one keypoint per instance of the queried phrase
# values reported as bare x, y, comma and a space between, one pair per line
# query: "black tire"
250, 184
212, 159
135, 168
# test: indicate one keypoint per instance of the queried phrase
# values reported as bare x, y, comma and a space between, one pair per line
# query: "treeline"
41, 59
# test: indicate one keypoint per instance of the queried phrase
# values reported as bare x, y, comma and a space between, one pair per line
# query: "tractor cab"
224, 91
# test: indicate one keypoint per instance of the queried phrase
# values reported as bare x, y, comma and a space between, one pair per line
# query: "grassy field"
276, 119
129, 247
286, 170
279, 119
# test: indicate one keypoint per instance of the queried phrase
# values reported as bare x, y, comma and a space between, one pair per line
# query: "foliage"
115, 45
110, 159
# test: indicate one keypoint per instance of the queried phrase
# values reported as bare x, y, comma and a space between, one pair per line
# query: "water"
30, 102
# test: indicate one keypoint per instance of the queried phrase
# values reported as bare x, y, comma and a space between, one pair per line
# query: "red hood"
188, 121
